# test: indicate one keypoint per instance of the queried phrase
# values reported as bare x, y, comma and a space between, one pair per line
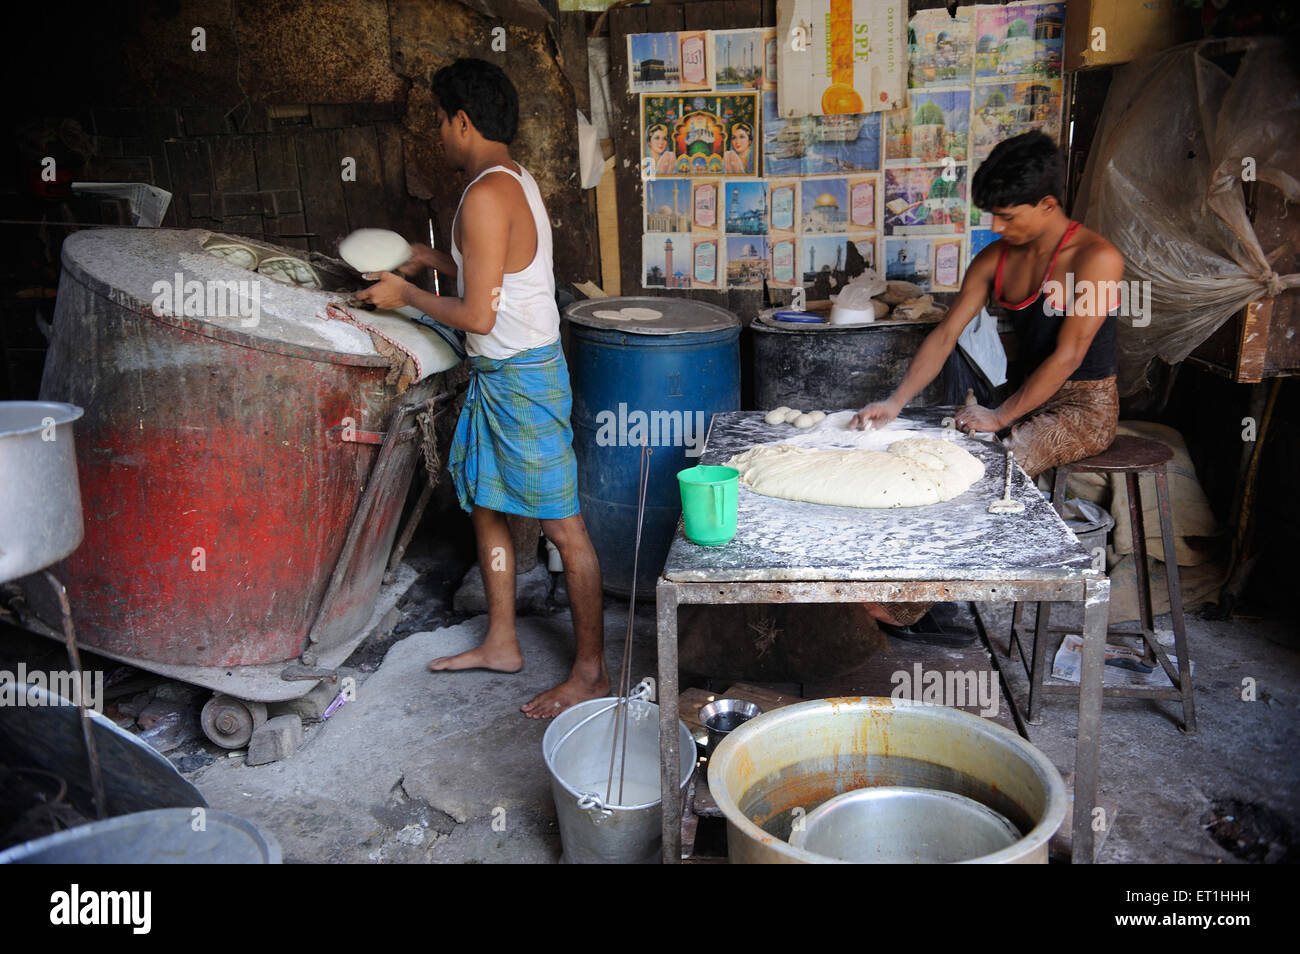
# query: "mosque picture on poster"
665, 264
747, 261
668, 206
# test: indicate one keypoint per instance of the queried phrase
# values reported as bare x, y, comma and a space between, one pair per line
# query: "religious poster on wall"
746, 206
909, 260
705, 205
1004, 110
666, 260
841, 56
925, 201
813, 145
744, 59
1019, 42
701, 135
827, 262
939, 48
782, 205
935, 127
667, 205
784, 259
948, 265
704, 262
747, 261
823, 205
668, 61
866, 246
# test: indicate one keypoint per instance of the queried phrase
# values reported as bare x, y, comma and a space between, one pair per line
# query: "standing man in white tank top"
512, 452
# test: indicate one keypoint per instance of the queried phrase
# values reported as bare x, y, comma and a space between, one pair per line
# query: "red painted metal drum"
218, 473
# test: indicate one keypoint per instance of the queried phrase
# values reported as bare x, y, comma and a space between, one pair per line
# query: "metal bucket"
41, 519
628, 830
776, 769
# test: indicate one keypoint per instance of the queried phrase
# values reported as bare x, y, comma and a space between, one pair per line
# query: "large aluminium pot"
780, 766
40, 502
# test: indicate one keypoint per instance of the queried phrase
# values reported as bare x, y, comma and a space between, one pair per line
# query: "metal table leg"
669, 765
1096, 609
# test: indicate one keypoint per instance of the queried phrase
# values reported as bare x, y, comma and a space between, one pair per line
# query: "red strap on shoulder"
1051, 267
997, 278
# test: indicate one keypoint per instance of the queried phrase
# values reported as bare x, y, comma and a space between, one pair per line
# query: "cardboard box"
1133, 29
840, 56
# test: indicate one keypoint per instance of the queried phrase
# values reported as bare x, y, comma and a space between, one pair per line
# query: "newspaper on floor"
1069, 660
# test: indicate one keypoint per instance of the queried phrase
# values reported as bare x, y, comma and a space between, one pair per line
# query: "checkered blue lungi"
513, 449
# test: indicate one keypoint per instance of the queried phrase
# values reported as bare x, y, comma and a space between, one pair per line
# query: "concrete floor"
425, 766
1159, 784
443, 767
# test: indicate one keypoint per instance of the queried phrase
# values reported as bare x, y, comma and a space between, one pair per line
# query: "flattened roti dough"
374, 250
909, 473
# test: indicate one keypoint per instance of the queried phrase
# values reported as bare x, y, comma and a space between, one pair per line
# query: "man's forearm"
925, 367
1038, 387
444, 308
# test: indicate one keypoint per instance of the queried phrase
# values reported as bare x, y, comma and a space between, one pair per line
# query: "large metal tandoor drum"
217, 482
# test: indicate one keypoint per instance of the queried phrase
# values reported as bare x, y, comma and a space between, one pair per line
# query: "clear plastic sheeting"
1163, 183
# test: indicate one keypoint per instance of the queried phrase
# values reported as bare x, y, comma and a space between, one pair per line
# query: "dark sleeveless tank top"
1037, 326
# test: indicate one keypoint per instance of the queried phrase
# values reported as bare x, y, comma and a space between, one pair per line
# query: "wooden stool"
1131, 456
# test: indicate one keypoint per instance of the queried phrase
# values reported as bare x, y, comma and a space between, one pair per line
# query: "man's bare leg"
588, 680
496, 561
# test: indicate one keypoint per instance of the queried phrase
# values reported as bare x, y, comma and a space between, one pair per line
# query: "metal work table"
794, 552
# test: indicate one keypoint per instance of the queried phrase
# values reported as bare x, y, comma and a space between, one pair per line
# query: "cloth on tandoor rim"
513, 449
1076, 422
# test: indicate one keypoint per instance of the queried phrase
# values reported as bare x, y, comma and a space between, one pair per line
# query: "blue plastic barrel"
660, 380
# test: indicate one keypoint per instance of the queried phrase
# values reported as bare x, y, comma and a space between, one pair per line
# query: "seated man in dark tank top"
1067, 407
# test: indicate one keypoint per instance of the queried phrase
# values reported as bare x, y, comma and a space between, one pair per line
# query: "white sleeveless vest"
527, 316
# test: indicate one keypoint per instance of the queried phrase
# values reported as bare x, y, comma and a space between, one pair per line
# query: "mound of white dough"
908, 473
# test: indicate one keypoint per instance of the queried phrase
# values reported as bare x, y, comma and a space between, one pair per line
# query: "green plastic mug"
710, 496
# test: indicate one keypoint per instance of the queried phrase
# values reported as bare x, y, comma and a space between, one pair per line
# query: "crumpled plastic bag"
860, 290
1163, 183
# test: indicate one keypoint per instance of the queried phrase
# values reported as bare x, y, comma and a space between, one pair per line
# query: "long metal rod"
87, 727
625, 671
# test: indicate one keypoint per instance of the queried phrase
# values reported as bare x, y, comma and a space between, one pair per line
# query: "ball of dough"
804, 420
817, 416
791, 415
776, 415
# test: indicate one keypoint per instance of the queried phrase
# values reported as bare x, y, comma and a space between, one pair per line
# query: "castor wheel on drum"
230, 722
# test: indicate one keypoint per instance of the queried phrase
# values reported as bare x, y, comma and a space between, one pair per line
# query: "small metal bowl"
723, 715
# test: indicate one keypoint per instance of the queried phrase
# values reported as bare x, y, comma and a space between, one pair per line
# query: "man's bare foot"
573, 690
483, 657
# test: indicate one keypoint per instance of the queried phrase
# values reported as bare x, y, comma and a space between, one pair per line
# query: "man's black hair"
1021, 170
486, 94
